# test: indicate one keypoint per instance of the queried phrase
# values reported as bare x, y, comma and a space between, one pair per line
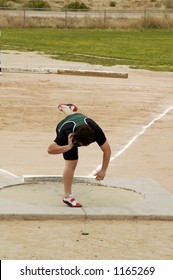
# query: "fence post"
145, 18
104, 18
0, 55
66, 19
24, 17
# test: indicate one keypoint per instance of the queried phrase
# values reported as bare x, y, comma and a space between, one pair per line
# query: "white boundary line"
8, 173
134, 138
21, 179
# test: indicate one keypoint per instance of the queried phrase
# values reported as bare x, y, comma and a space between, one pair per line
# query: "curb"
91, 73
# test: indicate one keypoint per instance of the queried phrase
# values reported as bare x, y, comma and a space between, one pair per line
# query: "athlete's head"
83, 135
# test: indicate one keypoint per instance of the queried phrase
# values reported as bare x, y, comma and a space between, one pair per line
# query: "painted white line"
145, 127
8, 173
21, 179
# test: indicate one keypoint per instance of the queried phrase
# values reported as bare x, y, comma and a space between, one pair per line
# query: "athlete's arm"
55, 149
105, 162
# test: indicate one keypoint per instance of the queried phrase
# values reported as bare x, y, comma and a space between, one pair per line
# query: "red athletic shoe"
72, 107
70, 201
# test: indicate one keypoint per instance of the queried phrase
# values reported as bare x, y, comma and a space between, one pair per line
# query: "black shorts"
71, 154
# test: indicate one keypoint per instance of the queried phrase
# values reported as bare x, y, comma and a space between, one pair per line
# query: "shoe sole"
69, 204
68, 105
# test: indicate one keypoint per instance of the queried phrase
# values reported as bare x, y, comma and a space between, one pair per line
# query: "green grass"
145, 49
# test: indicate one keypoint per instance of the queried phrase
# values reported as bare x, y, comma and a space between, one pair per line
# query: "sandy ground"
122, 107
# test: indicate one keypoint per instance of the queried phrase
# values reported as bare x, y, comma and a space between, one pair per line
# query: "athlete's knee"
71, 164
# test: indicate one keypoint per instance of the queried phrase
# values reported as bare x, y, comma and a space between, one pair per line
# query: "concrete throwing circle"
50, 194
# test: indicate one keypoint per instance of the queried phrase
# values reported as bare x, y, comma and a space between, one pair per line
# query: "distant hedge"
38, 4
76, 5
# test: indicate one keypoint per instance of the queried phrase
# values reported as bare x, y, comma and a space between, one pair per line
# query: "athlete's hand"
100, 175
70, 140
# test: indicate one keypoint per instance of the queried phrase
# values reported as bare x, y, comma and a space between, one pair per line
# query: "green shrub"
112, 4
3, 3
157, 5
38, 4
169, 4
76, 5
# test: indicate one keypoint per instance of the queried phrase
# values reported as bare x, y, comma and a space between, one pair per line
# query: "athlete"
74, 131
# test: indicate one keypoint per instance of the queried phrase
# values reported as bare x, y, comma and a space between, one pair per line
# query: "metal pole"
24, 17
65, 19
145, 18
104, 18
0, 57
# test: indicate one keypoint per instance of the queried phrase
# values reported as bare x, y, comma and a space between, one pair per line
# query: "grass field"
145, 49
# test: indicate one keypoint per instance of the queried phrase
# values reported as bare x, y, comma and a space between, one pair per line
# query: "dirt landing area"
140, 106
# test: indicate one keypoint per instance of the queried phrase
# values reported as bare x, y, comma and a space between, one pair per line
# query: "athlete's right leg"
71, 160
68, 109
70, 166
69, 169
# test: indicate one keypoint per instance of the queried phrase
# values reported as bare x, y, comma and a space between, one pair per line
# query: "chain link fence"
86, 18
